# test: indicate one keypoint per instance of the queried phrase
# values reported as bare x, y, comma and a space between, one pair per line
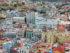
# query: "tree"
23, 3
5, 4
15, 5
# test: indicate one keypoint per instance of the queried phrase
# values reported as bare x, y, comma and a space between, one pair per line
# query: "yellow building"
49, 36
53, 36
19, 8
44, 35
63, 36
66, 13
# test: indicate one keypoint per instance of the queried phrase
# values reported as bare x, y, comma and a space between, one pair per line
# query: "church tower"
44, 34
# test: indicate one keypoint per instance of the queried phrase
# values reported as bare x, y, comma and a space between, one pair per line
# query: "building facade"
29, 33
30, 18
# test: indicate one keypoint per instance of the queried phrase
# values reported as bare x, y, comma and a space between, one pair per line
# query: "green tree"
23, 3
5, 4
15, 5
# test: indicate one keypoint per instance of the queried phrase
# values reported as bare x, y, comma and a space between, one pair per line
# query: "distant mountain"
50, 0
65, 0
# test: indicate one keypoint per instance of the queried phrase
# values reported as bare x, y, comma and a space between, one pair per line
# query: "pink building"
2, 1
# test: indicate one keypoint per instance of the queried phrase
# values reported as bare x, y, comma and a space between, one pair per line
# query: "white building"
19, 19
50, 23
20, 33
23, 49
30, 18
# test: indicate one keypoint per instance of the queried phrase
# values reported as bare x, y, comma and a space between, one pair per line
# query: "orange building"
19, 44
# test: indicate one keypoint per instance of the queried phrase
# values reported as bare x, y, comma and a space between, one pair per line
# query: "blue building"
14, 42
10, 34
29, 33
9, 44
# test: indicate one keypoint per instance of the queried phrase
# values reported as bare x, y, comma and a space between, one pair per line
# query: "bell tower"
44, 34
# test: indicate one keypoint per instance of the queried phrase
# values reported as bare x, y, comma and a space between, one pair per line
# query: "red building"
61, 27
58, 49
14, 50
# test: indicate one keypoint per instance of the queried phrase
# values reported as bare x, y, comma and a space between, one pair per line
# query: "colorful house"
19, 19
61, 27
40, 21
29, 33
10, 34
58, 49
30, 18
9, 44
